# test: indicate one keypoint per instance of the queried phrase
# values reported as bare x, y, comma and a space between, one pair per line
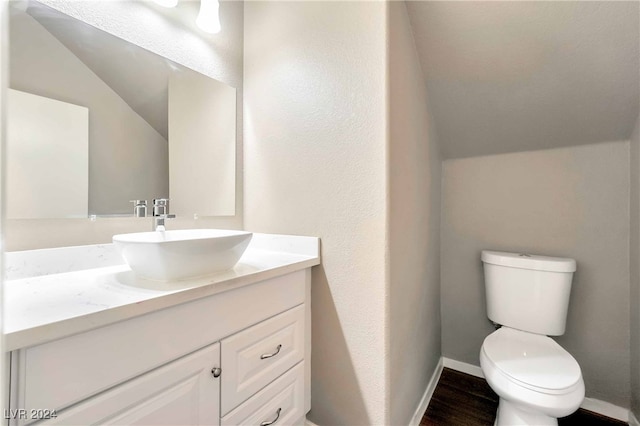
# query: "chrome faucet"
160, 213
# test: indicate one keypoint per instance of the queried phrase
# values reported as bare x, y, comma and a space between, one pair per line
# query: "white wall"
634, 264
315, 156
569, 202
171, 33
414, 225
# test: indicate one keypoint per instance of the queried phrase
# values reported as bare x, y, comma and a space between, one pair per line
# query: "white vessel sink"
181, 254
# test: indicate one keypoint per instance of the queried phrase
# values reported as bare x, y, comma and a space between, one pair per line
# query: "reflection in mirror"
198, 107
57, 147
143, 142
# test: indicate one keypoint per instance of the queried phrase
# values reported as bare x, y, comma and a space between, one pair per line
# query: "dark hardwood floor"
464, 400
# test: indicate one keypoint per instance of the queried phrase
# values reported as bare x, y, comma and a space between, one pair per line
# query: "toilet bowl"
536, 379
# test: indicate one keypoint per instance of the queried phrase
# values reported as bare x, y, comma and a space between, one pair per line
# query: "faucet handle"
139, 208
160, 206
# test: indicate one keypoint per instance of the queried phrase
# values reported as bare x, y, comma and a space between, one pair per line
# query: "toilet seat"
533, 361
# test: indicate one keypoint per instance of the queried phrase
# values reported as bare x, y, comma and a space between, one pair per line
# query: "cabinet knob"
216, 371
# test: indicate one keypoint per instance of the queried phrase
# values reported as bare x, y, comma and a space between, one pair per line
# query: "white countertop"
50, 294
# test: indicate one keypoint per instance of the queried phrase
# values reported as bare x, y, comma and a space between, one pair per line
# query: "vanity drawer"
254, 357
57, 374
282, 401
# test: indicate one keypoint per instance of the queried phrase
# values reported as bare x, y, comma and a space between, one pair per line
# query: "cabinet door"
183, 392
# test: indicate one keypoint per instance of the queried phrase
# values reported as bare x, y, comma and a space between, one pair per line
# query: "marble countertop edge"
24, 330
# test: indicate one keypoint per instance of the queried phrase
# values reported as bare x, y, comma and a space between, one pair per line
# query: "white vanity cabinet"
236, 357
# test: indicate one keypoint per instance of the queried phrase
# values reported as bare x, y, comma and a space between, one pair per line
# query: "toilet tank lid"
529, 261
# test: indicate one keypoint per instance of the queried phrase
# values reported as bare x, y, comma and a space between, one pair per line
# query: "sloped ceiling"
137, 75
517, 76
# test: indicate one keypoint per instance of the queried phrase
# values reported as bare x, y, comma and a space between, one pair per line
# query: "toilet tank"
528, 292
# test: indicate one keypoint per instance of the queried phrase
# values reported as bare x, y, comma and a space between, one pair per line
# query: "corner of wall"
413, 223
634, 270
4, 49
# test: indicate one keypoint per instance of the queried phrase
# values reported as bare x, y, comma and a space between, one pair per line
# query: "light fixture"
209, 17
167, 3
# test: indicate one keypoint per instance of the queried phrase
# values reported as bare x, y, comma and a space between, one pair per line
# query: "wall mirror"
94, 121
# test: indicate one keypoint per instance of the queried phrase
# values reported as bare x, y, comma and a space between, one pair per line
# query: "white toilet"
536, 379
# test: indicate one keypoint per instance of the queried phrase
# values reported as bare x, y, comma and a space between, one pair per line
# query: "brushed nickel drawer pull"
265, 356
267, 423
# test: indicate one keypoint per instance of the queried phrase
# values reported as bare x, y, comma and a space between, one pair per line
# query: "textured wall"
171, 33
507, 76
571, 202
634, 264
315, 157
414, 225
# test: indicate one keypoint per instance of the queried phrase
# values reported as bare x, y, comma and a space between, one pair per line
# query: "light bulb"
209, 18
167, 3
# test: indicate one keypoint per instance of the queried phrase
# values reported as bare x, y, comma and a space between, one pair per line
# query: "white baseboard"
426, 398
595, 405
606, 409
463, 367
633, 420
